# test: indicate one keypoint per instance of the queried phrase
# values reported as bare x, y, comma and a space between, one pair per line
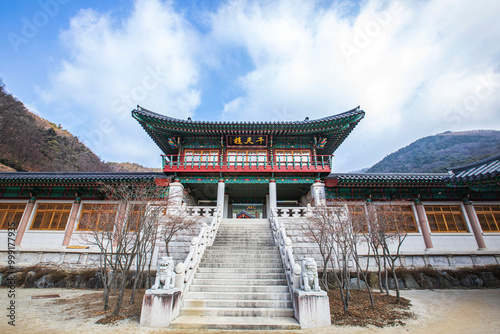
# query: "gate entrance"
248, 211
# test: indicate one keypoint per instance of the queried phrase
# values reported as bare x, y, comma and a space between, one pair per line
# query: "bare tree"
389, 231
330, 228
127, 233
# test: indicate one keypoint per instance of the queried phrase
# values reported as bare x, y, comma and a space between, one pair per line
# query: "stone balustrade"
201, 211
293, 212
160, 307
311, 308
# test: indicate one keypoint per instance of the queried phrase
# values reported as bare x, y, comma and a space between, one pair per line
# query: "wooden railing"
285, 163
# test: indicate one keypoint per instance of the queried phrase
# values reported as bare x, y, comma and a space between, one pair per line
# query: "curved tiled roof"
387, 178
336, 127
75, 177
478, 171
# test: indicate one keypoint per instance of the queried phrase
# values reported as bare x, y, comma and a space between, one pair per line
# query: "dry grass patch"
387, 312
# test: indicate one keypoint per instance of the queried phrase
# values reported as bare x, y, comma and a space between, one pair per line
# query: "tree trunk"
395, 279
119, 301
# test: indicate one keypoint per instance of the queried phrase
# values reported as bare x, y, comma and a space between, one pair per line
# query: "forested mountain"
31, 143
435, 153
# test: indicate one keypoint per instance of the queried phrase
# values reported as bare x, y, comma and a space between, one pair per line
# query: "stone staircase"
240, 283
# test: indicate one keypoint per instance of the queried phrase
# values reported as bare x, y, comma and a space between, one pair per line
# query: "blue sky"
416, 67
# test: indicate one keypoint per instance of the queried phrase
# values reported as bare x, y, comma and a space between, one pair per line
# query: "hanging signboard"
246, 140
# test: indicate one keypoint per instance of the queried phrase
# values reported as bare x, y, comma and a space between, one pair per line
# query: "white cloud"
146, 58
416, 68
411, 66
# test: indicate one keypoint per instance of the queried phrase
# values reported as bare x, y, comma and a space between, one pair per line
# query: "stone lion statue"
165, 275
309, 275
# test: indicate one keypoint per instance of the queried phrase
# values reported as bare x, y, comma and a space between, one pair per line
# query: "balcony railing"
322, 163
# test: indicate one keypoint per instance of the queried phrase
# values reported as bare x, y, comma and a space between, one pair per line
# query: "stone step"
224, 256
266, 238
241, 244
236, 323
244, 260
238, 295
223, 271
252, 282
240, 288
237, 303
249, 266
239, 251
241, 276
237, 311
248, 248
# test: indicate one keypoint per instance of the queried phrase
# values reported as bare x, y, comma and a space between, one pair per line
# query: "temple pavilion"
249, 168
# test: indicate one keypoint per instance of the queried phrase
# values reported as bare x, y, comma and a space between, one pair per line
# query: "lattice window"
357, 214
135, 216
398, 217
246, 156
489, 217
293, 156
97, 217
445, 218
51, 216
201, 155
11, 213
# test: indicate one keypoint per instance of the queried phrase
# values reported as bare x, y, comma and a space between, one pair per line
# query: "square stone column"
273, 200
175, 194
220, 192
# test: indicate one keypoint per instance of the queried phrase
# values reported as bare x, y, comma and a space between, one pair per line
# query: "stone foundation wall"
413, 252
89, 258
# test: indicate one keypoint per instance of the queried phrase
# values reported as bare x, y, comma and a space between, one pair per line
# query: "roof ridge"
478, 163
147, 112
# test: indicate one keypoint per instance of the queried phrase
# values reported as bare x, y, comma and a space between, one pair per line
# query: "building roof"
384, 179
483, 171
335, 128
75, 177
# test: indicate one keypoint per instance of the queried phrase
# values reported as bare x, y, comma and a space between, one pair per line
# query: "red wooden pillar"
24, 222
72, 221
424, 224
476, 228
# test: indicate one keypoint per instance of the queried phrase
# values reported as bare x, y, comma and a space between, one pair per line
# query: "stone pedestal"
160, 307
312, 309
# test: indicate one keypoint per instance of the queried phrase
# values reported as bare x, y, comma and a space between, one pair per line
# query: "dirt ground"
438, 311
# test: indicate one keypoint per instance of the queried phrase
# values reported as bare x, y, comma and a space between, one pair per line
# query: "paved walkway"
439, 311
